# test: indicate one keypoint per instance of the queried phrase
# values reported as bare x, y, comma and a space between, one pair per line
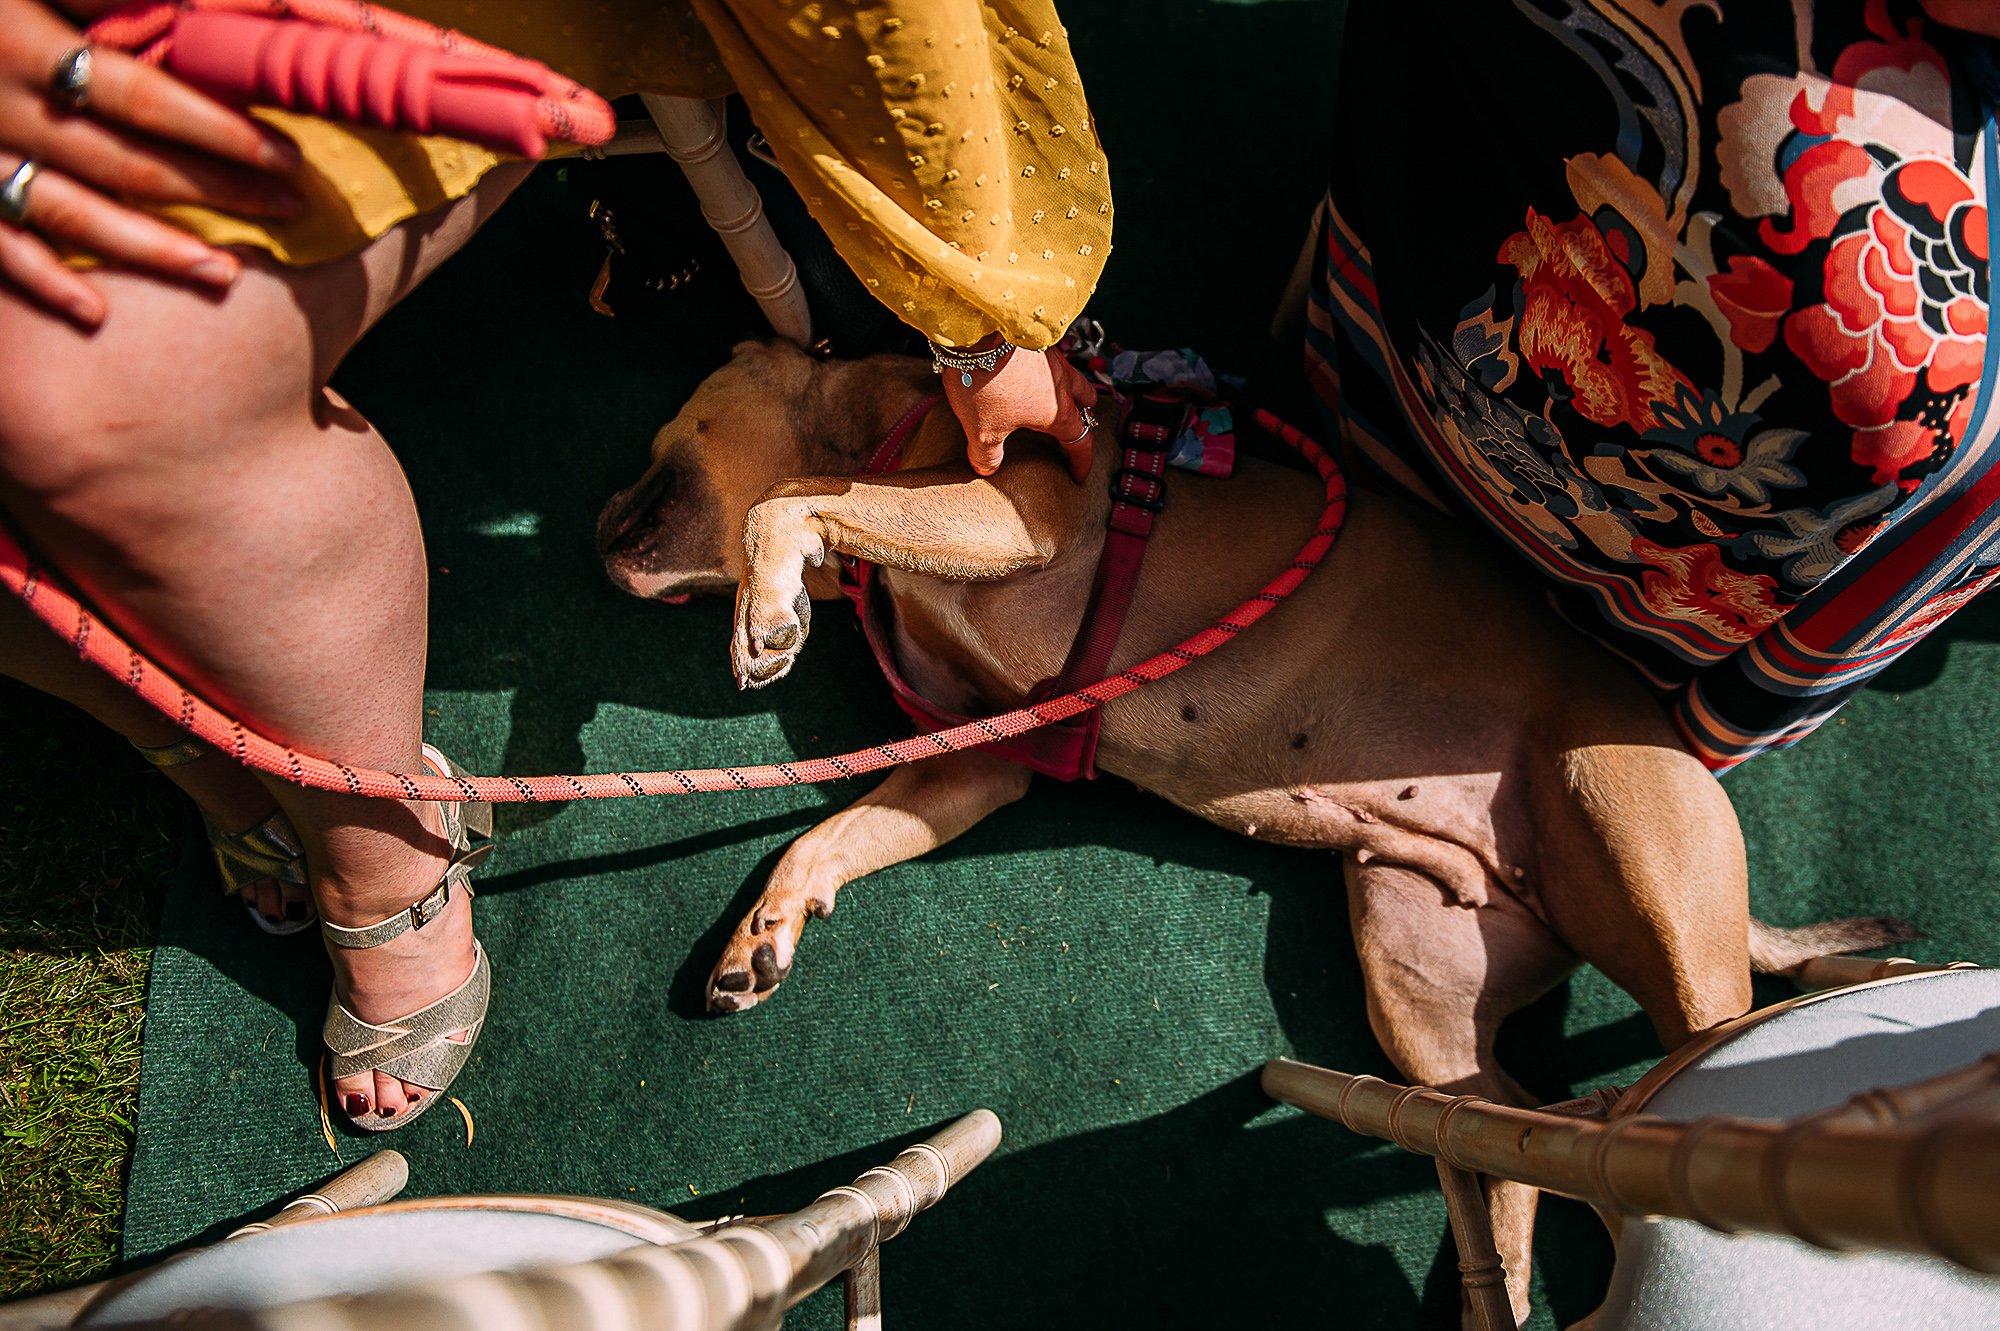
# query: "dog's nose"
632, 514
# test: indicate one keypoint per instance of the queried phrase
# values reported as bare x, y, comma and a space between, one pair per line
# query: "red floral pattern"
1576, 295
1754, 297
1730, 378
1694, 584
1900, 333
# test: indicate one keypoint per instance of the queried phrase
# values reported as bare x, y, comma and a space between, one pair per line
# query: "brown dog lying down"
1510, 799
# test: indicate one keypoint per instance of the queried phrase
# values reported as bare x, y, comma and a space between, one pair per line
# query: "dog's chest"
976, 647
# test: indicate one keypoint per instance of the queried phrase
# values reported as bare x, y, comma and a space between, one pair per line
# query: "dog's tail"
1775, 951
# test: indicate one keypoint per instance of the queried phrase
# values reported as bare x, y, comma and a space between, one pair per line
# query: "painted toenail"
735, 982
386, 1112
355, 1106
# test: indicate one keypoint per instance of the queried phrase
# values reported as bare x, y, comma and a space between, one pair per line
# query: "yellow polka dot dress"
945, 145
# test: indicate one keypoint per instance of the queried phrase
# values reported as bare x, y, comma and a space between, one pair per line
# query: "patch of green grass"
88, 837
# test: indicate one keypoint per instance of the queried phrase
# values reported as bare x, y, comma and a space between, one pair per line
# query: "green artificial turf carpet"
1104, 972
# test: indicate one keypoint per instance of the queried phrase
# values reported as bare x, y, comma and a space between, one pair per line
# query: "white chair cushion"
1675, 1275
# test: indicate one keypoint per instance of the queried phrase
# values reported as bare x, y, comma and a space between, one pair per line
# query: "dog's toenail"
723, 1003
295, 911
355, 1105
734, 982
765, 962
1409, 793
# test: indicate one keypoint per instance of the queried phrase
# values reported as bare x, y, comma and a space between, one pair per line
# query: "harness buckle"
1123, 493
1154, 421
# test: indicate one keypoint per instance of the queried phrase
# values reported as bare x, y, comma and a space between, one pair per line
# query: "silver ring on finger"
69, 85
14, 194
1089, 424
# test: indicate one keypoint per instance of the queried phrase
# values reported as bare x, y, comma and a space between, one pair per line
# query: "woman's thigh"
178, 378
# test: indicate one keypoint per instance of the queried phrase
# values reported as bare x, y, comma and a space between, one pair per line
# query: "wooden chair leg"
1480, 1269
864, 1293
377, 1179
693, 133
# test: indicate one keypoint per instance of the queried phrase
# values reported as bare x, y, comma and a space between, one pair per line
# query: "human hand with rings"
996, 388
86, 133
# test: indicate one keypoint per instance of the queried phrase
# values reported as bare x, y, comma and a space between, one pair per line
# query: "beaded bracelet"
983, 361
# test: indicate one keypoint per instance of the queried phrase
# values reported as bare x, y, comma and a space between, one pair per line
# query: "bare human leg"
187, 467
231, 797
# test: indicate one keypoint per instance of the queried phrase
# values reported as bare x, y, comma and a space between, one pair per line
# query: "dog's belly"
1401, 705
1331, 724
1448, 812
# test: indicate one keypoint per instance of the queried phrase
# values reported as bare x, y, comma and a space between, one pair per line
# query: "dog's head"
772, 412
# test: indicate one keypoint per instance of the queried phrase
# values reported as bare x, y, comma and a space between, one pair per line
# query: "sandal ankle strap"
469, 849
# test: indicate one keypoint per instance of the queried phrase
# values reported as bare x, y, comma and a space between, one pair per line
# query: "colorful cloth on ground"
1687, 305
1208, 443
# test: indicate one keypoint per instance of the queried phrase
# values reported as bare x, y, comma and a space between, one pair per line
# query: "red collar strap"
890, 451
1066, 750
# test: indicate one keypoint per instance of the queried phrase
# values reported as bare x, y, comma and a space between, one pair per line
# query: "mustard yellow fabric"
945, 145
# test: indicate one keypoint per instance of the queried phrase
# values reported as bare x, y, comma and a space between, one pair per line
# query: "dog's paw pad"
765, 962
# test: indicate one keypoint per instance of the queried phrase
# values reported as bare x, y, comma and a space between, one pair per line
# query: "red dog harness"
1066, 750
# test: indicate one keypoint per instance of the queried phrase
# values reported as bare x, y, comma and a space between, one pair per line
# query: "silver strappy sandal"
417, 1048
271, 849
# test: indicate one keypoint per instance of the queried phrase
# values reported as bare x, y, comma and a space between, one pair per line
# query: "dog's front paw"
767, 639
773, 610
760, 954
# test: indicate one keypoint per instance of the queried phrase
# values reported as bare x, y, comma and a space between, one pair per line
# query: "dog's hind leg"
1440, 977
1643, 874
918, 809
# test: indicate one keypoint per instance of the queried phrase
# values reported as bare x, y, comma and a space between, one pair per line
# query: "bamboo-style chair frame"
1911, 1169
741, 1274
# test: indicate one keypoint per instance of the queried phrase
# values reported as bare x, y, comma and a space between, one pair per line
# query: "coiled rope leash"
100, 645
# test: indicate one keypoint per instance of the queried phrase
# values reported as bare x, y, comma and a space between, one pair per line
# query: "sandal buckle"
432, 906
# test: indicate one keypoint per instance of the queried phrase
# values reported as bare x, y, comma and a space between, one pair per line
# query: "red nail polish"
355, 1105
386, 1112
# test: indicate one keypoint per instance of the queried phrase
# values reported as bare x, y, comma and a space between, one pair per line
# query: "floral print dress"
1686, 303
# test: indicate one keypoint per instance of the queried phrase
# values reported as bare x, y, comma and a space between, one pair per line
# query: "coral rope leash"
98, 644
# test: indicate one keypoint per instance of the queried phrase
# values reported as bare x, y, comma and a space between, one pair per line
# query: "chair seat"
383, 1247
1675, 1275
